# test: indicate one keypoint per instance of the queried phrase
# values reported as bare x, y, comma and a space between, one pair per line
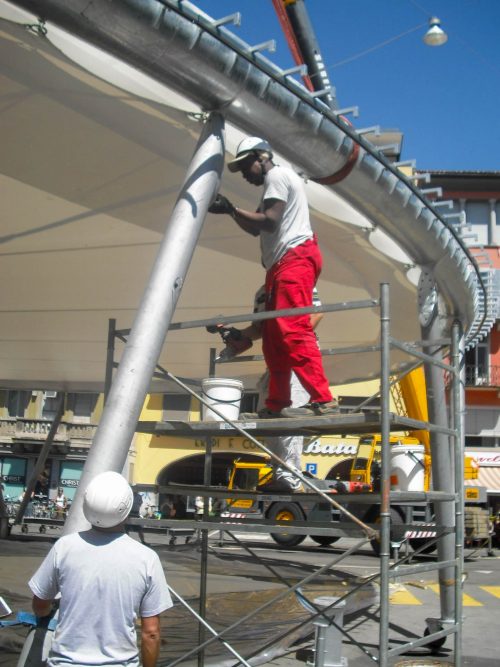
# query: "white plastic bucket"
407, 467
225, 395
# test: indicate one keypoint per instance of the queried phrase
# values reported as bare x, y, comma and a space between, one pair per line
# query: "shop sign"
13, 479
69, 483
228, 443
315, 447
484, 459
342, 448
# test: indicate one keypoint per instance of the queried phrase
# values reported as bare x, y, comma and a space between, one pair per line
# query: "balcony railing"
481, 376
38, 429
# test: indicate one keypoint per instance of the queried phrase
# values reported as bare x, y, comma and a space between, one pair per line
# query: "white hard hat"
108, 500
248, 145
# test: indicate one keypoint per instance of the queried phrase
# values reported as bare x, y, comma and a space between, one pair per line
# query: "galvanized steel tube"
132, 380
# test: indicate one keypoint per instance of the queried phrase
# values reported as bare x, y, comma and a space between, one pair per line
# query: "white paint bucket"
225, 395
407, 467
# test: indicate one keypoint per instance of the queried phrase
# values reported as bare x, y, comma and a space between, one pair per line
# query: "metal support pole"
442, 472
309, 47
385, 507
42, 457
458, 359
211, 362
110, 357
207, 479
4, 518
133, 377
328, 642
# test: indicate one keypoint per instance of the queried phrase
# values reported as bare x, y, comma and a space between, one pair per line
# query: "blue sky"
445, 100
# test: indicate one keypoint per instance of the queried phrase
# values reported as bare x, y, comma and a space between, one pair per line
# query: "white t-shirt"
295, 227
106, 581
61, 501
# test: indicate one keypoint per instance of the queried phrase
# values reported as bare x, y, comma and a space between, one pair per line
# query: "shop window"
13, 476
69, 477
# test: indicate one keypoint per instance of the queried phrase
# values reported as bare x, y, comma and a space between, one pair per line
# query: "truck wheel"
324, 540
286, 512
396, 520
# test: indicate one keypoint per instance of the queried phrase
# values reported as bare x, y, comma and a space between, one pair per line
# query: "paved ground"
236, 584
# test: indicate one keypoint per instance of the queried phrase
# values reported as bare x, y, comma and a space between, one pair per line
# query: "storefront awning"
489, 477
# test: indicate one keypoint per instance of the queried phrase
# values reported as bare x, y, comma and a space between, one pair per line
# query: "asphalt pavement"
237, 583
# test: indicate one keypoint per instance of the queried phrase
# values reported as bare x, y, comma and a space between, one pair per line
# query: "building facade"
26, 417
475, 210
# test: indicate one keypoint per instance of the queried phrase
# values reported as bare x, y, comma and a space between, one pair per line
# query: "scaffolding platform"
396, 497
342, 424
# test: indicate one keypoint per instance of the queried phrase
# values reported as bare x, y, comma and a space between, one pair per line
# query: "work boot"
313, 409
263, 413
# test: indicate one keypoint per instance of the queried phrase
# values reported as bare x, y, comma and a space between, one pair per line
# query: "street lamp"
435, 36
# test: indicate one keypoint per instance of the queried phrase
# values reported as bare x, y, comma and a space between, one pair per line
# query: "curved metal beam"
177, 44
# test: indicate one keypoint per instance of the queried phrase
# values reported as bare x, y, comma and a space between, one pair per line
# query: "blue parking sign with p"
312, 468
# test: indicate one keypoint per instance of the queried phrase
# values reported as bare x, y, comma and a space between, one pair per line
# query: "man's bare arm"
150, 640
41, 607
253, 222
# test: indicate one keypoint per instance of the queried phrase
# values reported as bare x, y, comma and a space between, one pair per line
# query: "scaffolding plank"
368, 498
341, 424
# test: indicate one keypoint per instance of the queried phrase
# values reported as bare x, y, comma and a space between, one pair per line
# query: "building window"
82, 406
50, 405
478, 215
17, 402
474, 441
477, 365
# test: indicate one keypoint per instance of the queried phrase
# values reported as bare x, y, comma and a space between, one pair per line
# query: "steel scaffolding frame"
451, 618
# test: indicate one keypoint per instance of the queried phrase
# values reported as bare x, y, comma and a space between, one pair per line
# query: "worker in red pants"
292, 259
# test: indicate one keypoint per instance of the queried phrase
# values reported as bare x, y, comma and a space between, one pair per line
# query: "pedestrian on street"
292, 259
61, 503
105, 581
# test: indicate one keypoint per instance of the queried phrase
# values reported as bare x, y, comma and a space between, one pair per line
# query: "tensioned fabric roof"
94, 150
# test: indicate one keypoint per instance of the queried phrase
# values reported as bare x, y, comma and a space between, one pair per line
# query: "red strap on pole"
343, 172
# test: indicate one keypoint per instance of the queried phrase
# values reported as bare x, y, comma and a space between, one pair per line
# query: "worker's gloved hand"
221, 204
235, 341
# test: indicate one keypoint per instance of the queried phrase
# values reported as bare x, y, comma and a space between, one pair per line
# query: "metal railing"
482, 376
38, 429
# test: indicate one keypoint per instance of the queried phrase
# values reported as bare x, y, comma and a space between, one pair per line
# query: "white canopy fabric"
89, 173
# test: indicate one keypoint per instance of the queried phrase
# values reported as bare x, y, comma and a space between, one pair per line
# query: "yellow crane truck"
364, 478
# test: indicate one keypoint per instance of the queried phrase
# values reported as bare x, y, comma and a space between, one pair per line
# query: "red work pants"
289, 343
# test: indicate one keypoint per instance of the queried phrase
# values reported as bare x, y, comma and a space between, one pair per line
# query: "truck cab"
246, 476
